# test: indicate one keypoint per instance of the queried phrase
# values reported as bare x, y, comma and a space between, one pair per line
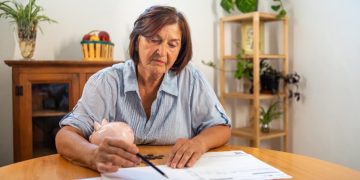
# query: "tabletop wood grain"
299, 167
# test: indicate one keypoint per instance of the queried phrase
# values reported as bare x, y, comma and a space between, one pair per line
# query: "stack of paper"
211, 166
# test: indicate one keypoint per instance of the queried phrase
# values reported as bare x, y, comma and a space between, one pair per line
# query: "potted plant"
26, 18
269, 77
246, 6
266, 116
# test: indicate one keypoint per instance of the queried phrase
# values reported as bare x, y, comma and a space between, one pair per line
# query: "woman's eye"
157, 41
172, 45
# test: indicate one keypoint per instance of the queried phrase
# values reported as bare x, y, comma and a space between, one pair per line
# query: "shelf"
261, 56
48, 113
248, 133
245, 23
251, 96
249, 17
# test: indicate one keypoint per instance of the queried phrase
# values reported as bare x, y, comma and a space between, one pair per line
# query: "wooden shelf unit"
253, 133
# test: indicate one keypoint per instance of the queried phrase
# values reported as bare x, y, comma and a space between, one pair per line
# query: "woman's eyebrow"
157, 36
175, 40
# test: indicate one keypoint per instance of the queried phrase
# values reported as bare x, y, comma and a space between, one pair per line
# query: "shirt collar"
169, 84
130, 80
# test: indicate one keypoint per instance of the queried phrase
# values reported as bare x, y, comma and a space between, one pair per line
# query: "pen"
151, 164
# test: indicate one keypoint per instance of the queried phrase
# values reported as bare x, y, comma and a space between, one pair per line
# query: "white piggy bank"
113, 129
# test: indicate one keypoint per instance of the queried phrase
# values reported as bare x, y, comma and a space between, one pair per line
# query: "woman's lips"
157, 61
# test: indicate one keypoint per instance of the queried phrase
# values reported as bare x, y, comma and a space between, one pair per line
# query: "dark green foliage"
279, 8
246, 6
227, 5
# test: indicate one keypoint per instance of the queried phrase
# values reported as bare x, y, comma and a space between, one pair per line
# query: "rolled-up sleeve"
205, 106
97, 102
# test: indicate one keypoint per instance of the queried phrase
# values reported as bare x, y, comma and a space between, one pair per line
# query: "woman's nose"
162, 49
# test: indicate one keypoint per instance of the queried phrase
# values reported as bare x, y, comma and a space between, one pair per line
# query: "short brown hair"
151, 21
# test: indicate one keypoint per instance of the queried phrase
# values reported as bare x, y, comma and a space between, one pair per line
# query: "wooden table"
298, 166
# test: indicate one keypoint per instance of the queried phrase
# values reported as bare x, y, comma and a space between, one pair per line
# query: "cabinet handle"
18, 90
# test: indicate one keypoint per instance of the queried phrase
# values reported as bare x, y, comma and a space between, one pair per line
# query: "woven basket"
97, 50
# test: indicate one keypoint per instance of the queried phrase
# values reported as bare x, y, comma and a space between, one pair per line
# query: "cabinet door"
44, 100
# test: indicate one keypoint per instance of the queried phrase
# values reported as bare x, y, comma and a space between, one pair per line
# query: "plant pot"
265, 128
269, 83
27, 41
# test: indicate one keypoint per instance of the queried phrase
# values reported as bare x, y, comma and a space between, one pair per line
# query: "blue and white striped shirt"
185, 105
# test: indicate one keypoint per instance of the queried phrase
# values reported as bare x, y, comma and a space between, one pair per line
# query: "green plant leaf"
246, 6
239, 70
275, 7
209, 63
275, 115
266, 116
281, 14
227, 5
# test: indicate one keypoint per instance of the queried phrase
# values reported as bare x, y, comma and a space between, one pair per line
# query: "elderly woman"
164, 100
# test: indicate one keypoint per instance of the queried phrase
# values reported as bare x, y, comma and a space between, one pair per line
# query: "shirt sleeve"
205, 106
96, 103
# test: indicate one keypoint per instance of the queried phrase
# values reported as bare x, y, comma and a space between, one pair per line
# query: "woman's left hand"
186, 152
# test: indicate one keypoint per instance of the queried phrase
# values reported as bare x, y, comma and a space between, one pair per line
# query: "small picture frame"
247, 38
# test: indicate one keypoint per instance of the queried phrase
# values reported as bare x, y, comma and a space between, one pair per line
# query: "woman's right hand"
113, 153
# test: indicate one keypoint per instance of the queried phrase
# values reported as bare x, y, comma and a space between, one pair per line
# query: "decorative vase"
265, 128
27, 41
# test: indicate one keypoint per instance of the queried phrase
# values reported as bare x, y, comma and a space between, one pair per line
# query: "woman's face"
157, 54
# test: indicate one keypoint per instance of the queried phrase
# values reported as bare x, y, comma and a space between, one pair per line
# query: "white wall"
324, 48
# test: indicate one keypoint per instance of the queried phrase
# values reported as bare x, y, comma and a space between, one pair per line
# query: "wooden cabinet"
43, 92
252, 131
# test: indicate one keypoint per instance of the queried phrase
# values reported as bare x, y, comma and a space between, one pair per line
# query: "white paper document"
226, 165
